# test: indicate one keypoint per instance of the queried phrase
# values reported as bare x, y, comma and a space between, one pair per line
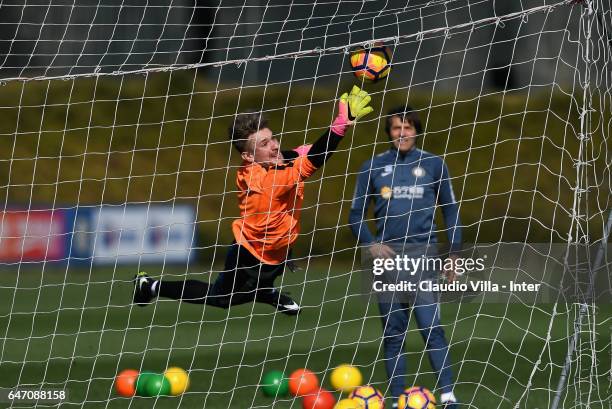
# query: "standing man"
407, 185
270, 194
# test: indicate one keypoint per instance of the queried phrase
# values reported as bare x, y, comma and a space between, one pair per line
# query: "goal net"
116, 160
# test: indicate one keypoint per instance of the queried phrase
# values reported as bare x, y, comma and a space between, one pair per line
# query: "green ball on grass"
141, 383
275, 383
157, 385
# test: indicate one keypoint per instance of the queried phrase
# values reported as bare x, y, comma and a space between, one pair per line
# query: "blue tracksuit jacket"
406, 190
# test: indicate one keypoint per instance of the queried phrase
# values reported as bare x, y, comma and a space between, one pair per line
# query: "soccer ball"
416, 397
371, 64
368, 397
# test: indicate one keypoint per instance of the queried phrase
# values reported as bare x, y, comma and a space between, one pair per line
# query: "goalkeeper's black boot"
278, 300
143, 289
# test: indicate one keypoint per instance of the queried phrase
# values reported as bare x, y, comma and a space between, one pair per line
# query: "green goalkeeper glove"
357, 101
352, 106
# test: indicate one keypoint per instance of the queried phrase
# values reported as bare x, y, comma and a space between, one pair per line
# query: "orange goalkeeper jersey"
270, 202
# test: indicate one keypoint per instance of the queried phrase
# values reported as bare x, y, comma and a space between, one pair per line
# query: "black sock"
191, 291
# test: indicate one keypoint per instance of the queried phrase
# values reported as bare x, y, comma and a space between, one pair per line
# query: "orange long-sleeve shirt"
270, 202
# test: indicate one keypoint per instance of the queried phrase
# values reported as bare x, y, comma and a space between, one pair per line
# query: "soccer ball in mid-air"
368, 397
416, 397
371, 64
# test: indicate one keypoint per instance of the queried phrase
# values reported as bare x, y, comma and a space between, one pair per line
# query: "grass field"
76, 330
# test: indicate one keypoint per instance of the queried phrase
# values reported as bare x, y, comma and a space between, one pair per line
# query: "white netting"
116, 159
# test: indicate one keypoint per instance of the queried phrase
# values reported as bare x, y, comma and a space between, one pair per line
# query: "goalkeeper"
271, 191
407, 184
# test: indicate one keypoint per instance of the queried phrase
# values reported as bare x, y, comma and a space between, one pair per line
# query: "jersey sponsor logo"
418, 172
387, 170
386, 192
408, 192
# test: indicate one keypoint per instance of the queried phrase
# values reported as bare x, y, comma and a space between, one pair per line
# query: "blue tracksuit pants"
395, 317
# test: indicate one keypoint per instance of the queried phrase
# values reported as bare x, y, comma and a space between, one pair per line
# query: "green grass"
76, 330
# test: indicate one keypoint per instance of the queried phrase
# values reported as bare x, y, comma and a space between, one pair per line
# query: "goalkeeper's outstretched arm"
351, 107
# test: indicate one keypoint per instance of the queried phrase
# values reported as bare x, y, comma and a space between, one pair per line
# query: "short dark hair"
245, 125
405, 113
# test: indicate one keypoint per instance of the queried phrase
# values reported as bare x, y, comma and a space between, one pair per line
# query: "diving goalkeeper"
271, 191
